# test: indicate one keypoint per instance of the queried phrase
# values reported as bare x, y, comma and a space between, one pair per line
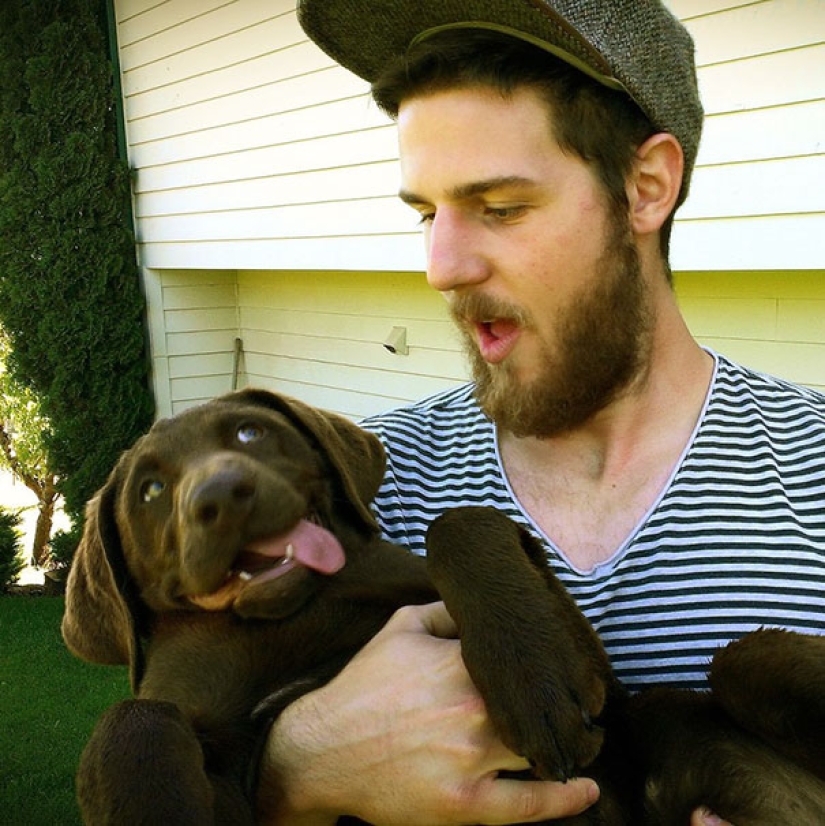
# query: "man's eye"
507, 213
248, 433
151, 490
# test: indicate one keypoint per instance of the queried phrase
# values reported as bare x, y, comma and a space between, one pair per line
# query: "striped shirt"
735, 541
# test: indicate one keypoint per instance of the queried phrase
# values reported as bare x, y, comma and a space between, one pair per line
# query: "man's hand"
401, 738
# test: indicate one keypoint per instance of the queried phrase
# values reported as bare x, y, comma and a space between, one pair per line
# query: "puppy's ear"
356, 455
99, 624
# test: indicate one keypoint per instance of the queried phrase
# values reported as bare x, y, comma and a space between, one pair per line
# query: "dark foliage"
70, 296
11, 548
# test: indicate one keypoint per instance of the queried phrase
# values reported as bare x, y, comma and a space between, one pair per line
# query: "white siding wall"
193, 324
253, 150
757, 200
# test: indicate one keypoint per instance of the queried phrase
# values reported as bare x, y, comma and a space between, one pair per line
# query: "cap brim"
364, 35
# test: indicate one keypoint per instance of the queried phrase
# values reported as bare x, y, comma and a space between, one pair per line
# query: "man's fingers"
705, 817
527, 801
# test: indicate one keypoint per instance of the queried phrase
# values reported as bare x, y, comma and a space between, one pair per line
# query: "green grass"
49, 702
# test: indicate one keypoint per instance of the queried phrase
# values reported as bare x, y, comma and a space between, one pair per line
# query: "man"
545, 145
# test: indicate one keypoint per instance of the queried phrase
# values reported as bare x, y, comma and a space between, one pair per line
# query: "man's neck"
588, 487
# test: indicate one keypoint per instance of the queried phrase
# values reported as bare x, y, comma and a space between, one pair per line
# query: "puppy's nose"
225, 496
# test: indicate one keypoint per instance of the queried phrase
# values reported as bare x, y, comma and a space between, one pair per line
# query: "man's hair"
602, 126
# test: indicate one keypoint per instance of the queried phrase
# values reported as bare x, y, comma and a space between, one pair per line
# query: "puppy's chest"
217, 668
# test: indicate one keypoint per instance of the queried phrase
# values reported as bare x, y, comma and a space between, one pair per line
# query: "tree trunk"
43, 528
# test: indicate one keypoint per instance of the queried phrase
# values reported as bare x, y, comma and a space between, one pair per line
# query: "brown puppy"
231, 559
231, 554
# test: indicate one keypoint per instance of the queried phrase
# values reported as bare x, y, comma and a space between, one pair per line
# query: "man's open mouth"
496, 338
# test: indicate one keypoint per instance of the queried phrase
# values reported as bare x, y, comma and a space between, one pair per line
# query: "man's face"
542, 279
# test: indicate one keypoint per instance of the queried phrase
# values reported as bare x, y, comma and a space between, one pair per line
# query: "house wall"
193, 326
263, 172
319, 336
752, 204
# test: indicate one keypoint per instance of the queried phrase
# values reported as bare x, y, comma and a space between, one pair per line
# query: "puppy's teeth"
244, 575
290, 553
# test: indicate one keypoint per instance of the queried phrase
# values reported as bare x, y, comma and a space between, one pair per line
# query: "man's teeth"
289, 555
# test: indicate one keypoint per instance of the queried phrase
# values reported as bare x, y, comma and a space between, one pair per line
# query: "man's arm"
402, 738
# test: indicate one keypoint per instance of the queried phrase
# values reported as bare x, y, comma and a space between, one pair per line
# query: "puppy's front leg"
539, 666
143, 766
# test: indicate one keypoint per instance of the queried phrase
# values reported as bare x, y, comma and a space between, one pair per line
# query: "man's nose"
454, 255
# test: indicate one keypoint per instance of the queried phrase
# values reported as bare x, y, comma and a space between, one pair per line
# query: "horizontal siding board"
776, 132
774, 187
199, 296
249, 35
201, 364
328, 185
198, 389
422, 334
180, 25
771, 27
379, 215
800, 287
397, 253
155, 18
127, 9
200, 278
389, 295
750, 318
201, 342
219, 85
797, 362
366, 147
409, 386
766, 80
221, 318
247, 104
354, 404
801, 321
305, 120
351, 353
759, 243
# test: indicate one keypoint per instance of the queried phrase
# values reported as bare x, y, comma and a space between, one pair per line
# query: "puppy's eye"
151, 490
250, 432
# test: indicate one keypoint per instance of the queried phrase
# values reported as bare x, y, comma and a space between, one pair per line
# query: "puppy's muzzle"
223, 499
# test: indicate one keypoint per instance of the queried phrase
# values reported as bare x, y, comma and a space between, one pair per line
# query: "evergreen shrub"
11, 547
70, 295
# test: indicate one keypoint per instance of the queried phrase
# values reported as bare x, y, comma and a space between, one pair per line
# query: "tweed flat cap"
633, 45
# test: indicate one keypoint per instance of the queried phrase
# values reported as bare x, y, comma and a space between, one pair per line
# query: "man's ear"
653, 189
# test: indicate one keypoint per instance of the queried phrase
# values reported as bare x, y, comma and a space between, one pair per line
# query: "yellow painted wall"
771, 321
319, 335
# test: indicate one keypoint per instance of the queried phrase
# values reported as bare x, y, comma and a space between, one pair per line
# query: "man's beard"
600, 347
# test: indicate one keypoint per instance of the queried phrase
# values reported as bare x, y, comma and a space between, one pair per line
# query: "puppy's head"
242, 504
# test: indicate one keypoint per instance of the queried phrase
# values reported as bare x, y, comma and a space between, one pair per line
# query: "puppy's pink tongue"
312, 546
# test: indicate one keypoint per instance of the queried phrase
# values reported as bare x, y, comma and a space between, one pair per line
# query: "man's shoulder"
450, 410
769, 416
738, 385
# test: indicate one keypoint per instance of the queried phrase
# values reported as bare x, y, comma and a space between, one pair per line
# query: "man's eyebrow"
472, 189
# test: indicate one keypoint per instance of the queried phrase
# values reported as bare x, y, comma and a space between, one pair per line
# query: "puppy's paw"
552, 726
